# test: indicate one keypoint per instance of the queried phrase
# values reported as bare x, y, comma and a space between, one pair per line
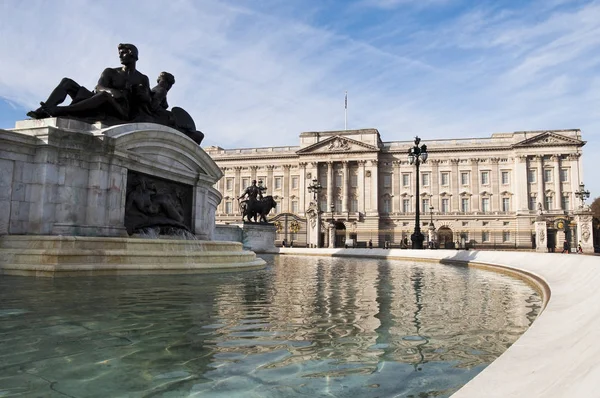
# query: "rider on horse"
253, 194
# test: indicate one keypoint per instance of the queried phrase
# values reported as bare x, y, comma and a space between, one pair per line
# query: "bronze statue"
122, 95
115, 93
254, 205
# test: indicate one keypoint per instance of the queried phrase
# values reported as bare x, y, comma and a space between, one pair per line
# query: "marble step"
107, 243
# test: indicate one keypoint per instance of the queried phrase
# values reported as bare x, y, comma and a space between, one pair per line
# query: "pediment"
549, 138
338, 144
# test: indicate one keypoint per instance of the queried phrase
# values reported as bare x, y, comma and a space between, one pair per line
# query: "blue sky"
256, 73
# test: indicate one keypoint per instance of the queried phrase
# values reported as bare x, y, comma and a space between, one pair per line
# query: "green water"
304, 326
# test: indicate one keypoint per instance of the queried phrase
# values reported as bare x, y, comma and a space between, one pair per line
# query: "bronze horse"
254, 209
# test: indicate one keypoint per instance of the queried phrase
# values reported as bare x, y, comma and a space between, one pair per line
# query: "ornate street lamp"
332, 230
582, 194
417, 155
315, 188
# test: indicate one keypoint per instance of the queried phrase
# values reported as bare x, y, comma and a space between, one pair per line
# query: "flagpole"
346, 111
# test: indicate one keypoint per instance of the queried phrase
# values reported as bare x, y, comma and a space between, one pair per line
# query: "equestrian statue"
254, 206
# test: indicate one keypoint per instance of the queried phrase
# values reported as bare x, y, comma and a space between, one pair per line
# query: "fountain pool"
303, 326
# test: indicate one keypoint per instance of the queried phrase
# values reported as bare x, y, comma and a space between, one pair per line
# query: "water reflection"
303, 326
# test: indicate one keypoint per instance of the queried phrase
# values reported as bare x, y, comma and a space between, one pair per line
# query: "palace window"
338, 180
548, 202
425, 205
277, 183
445, 178
445, 205
464, 178
565, 203
405, 205
295, 182
229, 184
354, 205
425, 179
532, 205
338, 205
353, 180
228, 207
386, 204
295, 206
245, 183
485, 236
387, 180
485, 178
505, 204
564, 175
548, 175
505, 236
531, 173
505, 178
464, 205
485, 205
405, 180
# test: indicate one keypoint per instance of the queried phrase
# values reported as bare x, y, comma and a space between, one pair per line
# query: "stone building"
483, 192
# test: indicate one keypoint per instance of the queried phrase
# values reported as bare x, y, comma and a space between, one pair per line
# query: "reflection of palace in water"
485, 190
368, 313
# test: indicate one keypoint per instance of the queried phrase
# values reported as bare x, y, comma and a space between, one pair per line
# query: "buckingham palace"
484, 192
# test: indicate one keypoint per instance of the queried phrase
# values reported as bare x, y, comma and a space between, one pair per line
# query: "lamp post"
417, 155
315, 188
582, 194
332, 229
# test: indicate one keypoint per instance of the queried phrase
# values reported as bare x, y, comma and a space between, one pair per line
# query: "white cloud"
259, 76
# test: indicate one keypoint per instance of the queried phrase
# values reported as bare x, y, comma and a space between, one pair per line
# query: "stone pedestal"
65, 177
585, 230
259, 238
541, 236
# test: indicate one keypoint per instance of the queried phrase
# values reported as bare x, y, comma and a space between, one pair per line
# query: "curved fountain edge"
558, 355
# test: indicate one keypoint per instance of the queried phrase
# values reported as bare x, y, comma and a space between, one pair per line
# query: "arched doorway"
340, 234
445, 238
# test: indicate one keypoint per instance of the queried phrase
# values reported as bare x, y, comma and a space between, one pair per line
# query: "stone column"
585, 231
302, 190
361, 186
435, 184
330, 182
237, 182
541, 236
520, 185
475, 199
540, 180
495, 182
253, 172
396, 182
270, 183
557, 185
454, 185
345, 186
221, 188
374, 194
286, 189
575, 178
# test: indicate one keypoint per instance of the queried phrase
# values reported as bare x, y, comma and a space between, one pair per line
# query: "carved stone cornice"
522, 158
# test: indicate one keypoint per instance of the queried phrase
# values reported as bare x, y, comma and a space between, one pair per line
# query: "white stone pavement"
559, 355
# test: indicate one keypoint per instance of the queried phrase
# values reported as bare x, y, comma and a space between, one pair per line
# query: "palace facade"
484, 192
